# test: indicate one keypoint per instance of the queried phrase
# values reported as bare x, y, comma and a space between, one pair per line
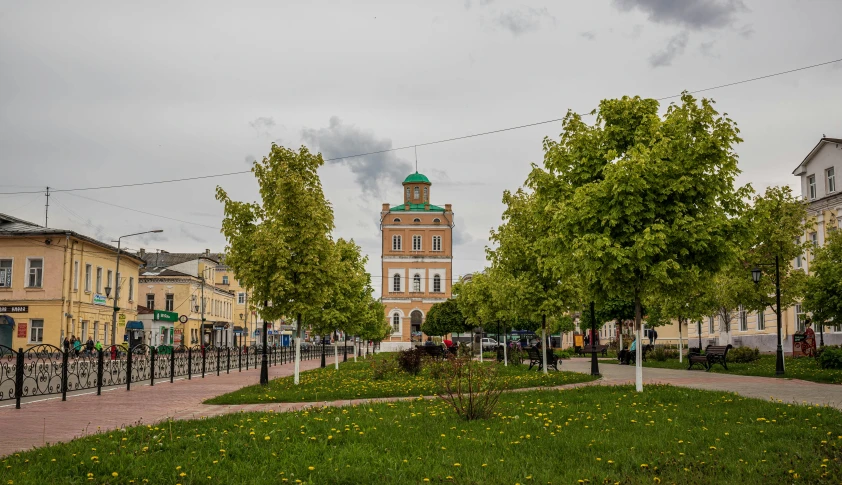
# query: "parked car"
489, 344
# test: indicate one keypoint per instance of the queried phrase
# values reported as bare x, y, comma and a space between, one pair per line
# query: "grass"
591, 435
796, 368
355, 380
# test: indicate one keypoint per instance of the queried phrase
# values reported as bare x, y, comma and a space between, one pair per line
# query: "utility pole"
47, 210
202, 328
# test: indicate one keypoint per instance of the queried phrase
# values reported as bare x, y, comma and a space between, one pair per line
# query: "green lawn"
354, 380
796, 368
591, 435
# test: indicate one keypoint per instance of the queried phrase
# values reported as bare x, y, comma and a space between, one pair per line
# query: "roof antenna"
416, 157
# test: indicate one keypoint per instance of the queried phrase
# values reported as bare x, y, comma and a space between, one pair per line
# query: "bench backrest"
717, 349
533, 352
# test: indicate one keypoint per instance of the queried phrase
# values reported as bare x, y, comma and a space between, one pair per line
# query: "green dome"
417, 178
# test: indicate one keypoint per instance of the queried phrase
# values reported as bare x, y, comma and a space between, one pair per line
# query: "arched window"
396, 323
436, 284
416, 192
416, 283
437, 220
396, 283
396, 243
416, 220
425, 194
407, 194
397, 219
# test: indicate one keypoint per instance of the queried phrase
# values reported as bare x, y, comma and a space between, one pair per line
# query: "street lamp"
117, 288
756, 273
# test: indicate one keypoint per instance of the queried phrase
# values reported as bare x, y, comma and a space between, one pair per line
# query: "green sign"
165, 316
99, 299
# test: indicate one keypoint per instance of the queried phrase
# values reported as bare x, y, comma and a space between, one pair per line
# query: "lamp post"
756, 274
117, 287
594, 362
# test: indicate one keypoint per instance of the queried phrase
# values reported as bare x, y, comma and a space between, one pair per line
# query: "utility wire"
446, 140
143, 212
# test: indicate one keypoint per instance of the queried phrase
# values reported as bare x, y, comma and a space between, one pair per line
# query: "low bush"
410, 360
472, 389
383, 368
830, 358
743, 355
563, 354
662, 354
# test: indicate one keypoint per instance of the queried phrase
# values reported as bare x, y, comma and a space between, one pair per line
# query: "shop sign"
99, 299
14, 309
121, 319
21, 329
164, 316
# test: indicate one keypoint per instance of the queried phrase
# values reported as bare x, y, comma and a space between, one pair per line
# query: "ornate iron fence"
44, 369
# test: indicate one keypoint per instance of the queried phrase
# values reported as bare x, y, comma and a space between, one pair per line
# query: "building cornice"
417, 259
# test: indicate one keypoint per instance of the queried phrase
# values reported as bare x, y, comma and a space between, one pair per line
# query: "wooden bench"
588, 349
434, 351
536, 358
714, 354
633, 355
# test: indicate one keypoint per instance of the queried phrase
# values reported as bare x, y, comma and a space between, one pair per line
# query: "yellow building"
56, 283
417, 260
186, 283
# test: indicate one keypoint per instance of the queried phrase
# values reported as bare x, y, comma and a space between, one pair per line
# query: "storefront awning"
134, 325
7, 320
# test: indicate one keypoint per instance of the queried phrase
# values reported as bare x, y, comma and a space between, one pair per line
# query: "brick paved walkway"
39, 423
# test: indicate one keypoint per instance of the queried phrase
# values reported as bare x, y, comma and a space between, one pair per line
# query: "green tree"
280, 247
374, 327
645, 199
445, 318
823, 295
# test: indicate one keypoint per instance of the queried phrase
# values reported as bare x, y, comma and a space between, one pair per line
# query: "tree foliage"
445, 318
350, 292
823, 295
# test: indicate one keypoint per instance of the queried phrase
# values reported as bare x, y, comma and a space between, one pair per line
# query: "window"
425, 194
799, 320
36, 331
814, 238
436, 243
761, 320
743, 320
397, 219
830, 174
84, 331
710, 325
108, 278
241, 298
396, 323
416, 193
416, 283
416, 243
35, 272
396, 283
99, 280
798, 262
75, 275
436, 284
811, 186
88, 270
396, 243
5, 273
436, 220
224, 280
169, 303
416, 220
150, 301
131, 288
407, 194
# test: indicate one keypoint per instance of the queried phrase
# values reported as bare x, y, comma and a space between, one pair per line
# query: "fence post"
19, 378
247, 356
152, 353
189, 363
172, 364
99, 364
228, 360
204, 353
64, 376
217, 360
129, 370
240, 359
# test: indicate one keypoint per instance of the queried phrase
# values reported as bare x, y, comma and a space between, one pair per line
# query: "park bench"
535, 358
633, 356
588, 349
714, 354
434, 351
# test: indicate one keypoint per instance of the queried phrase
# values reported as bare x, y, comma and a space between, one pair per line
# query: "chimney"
447, 208
385, 207
142, 252
207, 252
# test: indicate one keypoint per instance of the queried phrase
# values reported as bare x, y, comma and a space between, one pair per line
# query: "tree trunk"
680, 352
638, 359
297, 351
620, 324
336, 350
544, 341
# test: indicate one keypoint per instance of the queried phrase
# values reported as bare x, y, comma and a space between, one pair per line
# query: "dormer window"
416, 220
425, 194
397, 219
407, 194
437, 220
416, 193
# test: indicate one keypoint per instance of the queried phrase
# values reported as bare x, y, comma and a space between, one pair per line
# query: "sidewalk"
51, 421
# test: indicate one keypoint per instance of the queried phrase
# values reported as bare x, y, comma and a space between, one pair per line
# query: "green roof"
416, 208
416, 178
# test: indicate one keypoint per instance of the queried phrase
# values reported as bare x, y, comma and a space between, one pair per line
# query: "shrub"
743, 355
383, 368
489, 355
410, 360
563, 354
464, 350
830, 358
515, 355
471, 388
662, 354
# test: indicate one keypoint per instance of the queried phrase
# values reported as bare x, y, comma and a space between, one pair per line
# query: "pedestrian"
98, 346
587, 340
89, 345
77, 346
66, 344
654, 336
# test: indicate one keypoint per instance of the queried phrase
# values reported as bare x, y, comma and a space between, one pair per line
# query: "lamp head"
107, 291
756, 274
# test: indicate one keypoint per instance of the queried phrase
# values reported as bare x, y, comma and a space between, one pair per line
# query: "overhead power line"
436, 142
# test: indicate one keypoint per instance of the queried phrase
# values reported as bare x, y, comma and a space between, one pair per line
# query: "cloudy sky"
100, 93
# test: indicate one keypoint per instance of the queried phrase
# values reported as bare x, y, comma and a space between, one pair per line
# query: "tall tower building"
417, 260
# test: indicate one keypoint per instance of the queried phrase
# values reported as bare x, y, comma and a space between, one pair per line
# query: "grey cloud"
263, 125
249, 159
746, 32
706, 48
590, 35
674, 48
186, 233
693, 14
461, 236
339, 140
523, 20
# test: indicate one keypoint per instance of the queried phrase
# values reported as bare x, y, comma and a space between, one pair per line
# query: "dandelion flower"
115, 474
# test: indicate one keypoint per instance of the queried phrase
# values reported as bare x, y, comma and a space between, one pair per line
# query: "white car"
489, 344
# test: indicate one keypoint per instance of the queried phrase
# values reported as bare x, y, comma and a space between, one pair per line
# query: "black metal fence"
45, 369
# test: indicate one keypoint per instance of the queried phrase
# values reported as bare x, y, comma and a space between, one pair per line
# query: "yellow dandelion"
115, 474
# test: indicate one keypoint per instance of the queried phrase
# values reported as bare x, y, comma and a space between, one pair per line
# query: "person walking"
98, 346
66, 344
89, 345
77, 346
